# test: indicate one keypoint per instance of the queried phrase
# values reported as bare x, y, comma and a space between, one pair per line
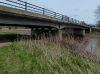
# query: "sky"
83, 10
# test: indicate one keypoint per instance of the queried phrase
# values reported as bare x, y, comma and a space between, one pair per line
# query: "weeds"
46, 56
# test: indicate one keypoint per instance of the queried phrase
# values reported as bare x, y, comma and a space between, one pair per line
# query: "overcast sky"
78, 9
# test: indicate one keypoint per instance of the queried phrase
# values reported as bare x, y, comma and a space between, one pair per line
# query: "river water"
94, 45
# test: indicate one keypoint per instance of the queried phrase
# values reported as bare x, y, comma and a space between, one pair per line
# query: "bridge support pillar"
60, 34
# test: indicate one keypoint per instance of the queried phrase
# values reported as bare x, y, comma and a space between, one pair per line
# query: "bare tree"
97, 12
98, 23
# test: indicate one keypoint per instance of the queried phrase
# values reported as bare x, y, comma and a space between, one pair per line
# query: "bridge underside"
43, 27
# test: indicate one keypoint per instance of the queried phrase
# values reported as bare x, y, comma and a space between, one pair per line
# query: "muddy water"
94, 44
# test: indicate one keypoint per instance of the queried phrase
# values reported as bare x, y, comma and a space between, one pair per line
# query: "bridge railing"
36, 9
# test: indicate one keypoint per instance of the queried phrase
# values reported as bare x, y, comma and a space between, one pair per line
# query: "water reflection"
93, 45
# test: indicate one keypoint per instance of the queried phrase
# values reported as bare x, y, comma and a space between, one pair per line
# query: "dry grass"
46, 56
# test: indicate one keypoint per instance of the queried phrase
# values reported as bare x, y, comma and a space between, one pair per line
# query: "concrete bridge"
40, 20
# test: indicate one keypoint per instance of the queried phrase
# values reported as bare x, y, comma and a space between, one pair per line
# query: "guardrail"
36, 9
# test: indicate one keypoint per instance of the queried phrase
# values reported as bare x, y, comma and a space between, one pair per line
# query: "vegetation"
96, 31
6, 33
98, 24
44, 57
8, 36
97, 12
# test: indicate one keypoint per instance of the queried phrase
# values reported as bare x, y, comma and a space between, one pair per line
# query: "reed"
46, 56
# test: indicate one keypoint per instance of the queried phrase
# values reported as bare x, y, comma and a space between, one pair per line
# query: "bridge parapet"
19, 4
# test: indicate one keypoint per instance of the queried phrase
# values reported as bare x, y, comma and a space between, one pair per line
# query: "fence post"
72, 20
68, 19
26, 6
62, 17
43, 11
55, 14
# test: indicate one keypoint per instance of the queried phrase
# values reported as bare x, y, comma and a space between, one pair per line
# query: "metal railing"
36, 9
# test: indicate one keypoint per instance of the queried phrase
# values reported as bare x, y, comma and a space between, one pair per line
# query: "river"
94, 44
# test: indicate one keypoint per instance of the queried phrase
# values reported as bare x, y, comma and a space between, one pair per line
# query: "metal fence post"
43, 11
55, 14
62, 17
26, 6
68, 19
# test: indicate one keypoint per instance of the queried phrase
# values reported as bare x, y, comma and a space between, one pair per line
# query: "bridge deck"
6, 8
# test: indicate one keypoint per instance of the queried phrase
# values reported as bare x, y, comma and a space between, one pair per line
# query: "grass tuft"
44, 57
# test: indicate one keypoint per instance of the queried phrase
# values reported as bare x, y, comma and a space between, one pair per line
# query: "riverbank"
94, 44
44, 57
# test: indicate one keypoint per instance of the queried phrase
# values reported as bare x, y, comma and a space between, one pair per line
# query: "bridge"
40, 20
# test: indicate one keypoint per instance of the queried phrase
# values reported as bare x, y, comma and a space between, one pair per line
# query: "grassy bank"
43, 57
95, 31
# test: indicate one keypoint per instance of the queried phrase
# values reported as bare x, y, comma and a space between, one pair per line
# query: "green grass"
9, 36
43, 57
7, 33
95, 32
